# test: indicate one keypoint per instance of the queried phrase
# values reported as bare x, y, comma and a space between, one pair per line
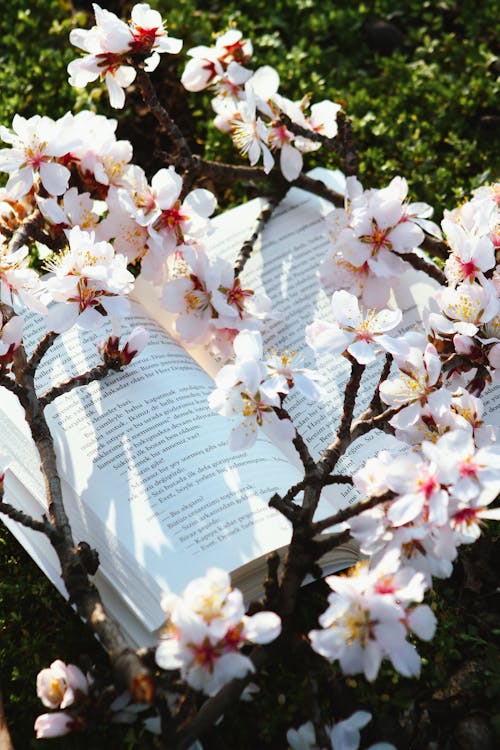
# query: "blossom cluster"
465, 320
249, 390
368, 237
249, 107
110, 45
343, 735
101, 216
206, 629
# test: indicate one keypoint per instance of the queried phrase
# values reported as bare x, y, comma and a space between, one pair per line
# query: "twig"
96, 373
27, 230
375, 404
380, 422
10, 385
436, 248
262, 219
41, 349
128, 668
420, 264
352, 510
299, 442
331, 144
285, 507
317, 187
336, 479
45, 527
343, 438
167, 124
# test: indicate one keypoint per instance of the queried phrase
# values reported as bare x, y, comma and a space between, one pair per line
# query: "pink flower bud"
118, 357
54, 725
466, 345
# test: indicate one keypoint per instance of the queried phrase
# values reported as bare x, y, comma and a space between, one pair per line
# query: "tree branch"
420, 264
352, 510
262, 219
96, 373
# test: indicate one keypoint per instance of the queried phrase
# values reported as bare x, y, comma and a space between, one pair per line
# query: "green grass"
424, 111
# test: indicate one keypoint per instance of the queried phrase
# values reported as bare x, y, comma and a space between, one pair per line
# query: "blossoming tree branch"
75, 202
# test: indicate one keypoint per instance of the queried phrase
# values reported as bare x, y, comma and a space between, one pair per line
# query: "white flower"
244, 395
352, 331
59, 685
88, 282
55, 725
249, 132
149, 35
345, 734
107, 43
206, 629
36, 144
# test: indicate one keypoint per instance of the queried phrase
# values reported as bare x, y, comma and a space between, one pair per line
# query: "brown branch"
352, 510
379, 422
436, 248
128, 668
96, 373
327, 542
345, 134
10, 384
27, 230
45, 527
317, 187
167, 124
41, 349
420, 264
331, 144
262, 219
375, 404
285, 507
336, 479
299, 442
343, 438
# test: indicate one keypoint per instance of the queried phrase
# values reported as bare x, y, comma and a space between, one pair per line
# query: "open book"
148, 477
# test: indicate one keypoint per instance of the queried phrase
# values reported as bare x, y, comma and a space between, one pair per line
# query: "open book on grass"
148, 477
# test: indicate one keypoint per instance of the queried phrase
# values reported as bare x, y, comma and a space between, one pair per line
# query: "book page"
146, 463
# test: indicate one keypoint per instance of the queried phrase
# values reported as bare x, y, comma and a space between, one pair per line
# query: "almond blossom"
365, 624
172, 221
88, 283
206, 629
56, 724
113, 350
109, 44
471, 256
60, 685
36, 143
353, 332
20, 285
150, 36
249, 132
468, 470
419, 374
208, 64
243, 395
